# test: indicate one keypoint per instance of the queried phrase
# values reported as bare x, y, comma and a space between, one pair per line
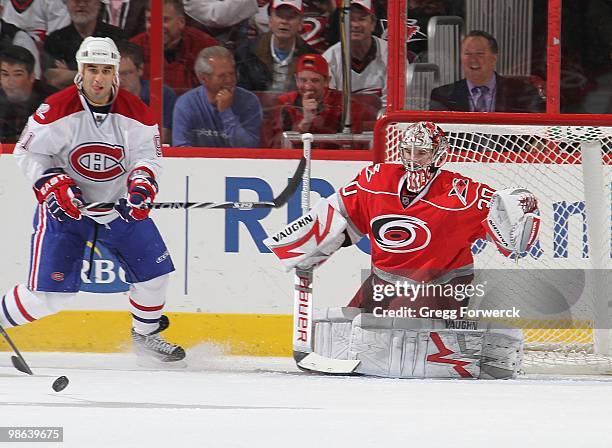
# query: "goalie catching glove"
310, 240
59, 193
513, 221
142, 189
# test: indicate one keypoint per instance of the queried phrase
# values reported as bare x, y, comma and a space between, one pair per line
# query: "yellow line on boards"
109, 331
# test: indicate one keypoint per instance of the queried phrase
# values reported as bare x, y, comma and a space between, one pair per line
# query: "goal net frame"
567, 154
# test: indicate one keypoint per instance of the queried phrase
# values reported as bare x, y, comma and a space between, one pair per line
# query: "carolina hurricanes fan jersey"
38, 17
373, 77
428, 240
98, 152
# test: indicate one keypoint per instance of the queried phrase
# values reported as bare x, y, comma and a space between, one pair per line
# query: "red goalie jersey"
426, 238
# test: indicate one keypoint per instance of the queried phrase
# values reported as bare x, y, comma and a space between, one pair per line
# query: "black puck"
60, 384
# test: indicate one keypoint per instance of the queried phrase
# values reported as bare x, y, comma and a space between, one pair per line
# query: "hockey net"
562, 285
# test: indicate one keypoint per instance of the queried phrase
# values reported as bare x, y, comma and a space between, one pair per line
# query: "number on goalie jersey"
426, 239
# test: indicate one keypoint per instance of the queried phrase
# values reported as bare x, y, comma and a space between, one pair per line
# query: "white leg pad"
431, 348
502, 353
332, 330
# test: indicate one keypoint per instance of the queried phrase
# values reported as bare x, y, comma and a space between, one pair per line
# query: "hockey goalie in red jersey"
421, 221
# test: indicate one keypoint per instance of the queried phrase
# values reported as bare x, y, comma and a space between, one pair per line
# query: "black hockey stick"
277, 202
18, 361
303, 304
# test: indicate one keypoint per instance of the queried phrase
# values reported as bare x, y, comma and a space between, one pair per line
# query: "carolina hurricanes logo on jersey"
312, 30
400, 234
460, 189
100, 162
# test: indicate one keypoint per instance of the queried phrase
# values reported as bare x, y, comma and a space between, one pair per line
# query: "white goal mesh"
562, 286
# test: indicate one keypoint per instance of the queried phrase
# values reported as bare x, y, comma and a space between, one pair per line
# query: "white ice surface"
221, 402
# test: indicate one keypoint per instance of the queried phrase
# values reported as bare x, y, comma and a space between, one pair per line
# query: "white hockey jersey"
99, 156
220, 14
37, 17
372, 79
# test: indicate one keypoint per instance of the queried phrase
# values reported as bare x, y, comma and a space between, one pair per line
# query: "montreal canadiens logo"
400, 234
97, 161
57, 276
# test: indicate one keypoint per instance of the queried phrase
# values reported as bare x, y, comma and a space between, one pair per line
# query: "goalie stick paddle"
277, 202
303, 327
18, 362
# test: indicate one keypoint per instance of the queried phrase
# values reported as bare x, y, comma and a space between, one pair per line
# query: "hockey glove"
513, 221
59, 193
142, 190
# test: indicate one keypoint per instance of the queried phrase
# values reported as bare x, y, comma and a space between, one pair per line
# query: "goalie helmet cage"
565, 160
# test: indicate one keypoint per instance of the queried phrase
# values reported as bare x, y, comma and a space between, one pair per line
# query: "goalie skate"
153, 347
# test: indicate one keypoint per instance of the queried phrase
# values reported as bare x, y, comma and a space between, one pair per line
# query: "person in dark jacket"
482, 89
268, 63
21, 92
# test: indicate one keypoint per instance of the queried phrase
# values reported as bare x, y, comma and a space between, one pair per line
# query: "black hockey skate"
155, 347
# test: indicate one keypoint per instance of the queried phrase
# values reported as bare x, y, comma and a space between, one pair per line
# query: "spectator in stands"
316, 19
268, 63
218, 113
182, 44
37, 17
12, 35
130, 76
226, 21
314, 107
21, 92
368, 54
219, 13
62, 45
379, 7
482, 89
129, 15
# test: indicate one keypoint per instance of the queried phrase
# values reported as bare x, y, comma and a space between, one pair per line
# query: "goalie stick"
303, 303
18, 362
277, 202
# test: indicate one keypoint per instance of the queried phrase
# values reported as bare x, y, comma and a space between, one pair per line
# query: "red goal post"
566, 161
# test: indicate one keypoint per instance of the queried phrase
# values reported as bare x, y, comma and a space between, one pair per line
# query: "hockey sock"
147, 303
20, 306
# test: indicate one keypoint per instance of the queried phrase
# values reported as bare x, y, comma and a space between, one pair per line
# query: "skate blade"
148, 362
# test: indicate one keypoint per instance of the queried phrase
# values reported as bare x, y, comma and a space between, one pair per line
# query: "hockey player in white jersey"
94, 142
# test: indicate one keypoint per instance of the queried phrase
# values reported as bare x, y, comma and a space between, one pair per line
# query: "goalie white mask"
97, 50
423, 151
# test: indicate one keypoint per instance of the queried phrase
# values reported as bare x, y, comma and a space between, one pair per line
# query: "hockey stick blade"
277, 202
314, 362
18, 362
